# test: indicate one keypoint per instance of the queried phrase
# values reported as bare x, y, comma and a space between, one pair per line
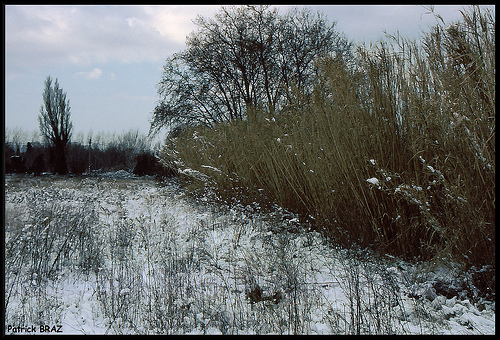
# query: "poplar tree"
55, 124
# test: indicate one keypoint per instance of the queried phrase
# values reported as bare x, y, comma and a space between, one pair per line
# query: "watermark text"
34, 329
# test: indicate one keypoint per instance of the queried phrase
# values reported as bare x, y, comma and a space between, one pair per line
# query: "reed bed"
394, 151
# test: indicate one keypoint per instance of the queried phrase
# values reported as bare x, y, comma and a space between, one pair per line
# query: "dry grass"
139, 259
417, 116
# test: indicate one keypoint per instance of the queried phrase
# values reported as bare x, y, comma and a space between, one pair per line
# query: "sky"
109, 58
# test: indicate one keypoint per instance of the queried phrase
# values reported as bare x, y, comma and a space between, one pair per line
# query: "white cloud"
94, 74
176, 22
48, 36
44, 36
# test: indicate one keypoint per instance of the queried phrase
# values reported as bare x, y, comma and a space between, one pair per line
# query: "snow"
118, 174
82, 310
210, 167
192, 264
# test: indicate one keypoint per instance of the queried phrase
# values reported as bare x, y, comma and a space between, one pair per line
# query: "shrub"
148, 164
38, 165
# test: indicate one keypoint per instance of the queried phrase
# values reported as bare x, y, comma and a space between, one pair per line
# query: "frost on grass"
126, 255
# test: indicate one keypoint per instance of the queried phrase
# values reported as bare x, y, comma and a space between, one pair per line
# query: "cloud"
45, 36
60, 36
176, 22
94, 74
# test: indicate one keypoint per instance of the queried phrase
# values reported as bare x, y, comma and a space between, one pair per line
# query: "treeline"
392, 147
129, 151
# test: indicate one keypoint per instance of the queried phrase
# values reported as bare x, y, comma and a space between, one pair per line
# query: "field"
118, 254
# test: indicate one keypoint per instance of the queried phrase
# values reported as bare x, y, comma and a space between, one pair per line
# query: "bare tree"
247, 56
55, 124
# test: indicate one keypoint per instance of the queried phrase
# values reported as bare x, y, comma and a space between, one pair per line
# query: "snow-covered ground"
147, 259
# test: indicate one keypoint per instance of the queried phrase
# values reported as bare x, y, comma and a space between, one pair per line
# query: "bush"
147, 164
110, 153
77, 156
16, 164
38, 165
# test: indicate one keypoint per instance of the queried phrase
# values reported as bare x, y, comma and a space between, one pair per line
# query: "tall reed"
394, 151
